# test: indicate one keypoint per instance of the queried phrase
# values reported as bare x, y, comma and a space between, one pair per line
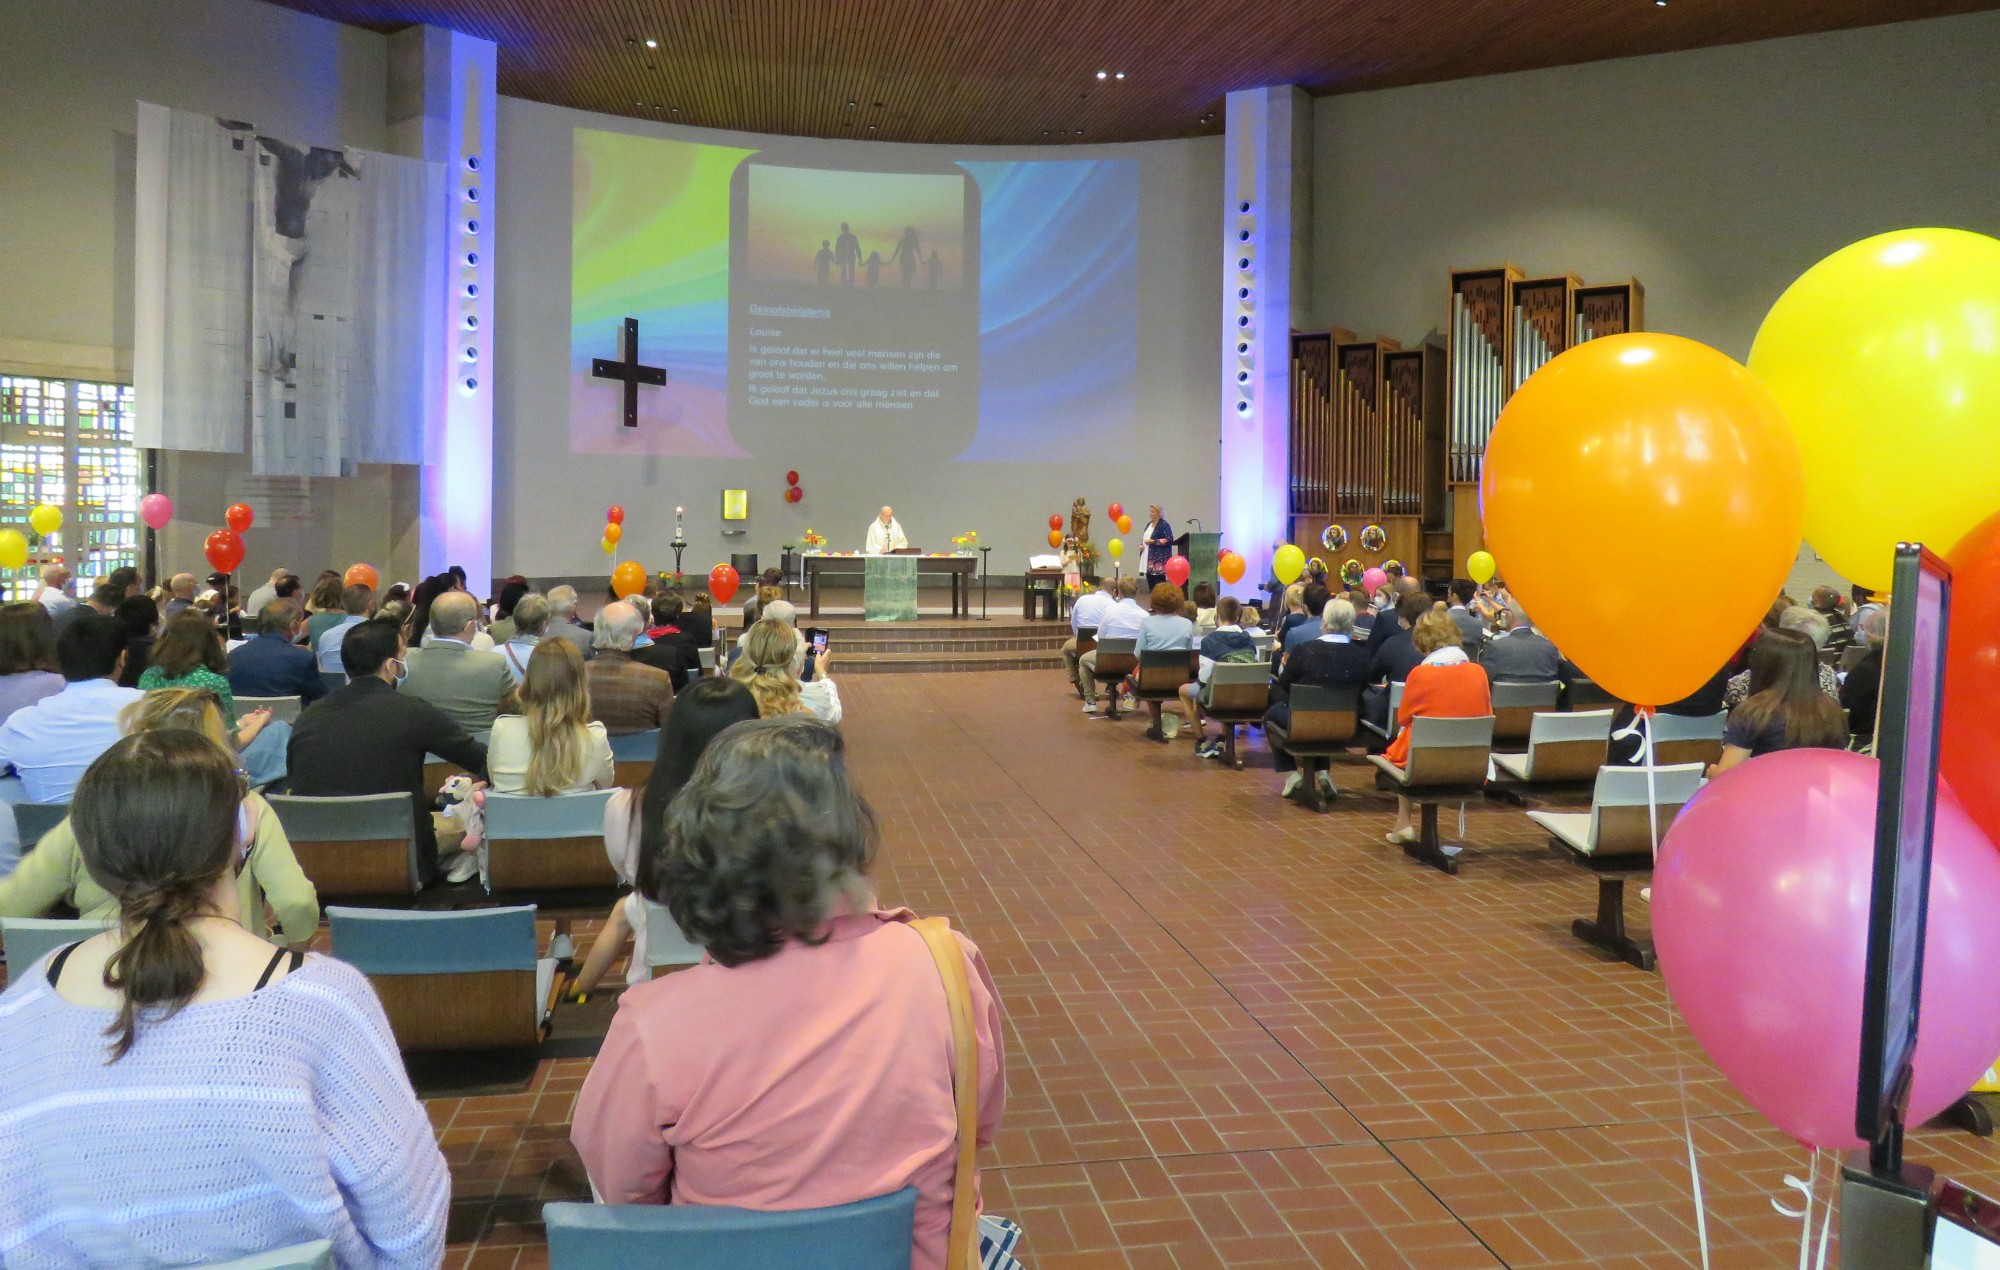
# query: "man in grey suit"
1521, 655
463, 682
562, 622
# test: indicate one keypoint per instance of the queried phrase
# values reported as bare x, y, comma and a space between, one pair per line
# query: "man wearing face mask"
368, 738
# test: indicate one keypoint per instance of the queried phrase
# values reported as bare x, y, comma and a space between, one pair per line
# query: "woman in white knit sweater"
176, 1091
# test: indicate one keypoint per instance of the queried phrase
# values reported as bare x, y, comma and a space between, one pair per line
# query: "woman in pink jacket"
807, 1061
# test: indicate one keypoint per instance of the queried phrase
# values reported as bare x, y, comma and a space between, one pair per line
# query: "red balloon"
224, 549
794, 494
614, 515
238, 517
1969, 747
361, 575
1178, 569
1115, 510
1055, 522
791, 478
722, 582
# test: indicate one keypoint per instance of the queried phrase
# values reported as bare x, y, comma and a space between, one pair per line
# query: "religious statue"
1079, 522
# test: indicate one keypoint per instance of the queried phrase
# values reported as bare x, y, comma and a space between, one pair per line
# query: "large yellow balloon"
1480, 568
1287, 563
1886, 359
45, 519
13, 549
1116, 547
1630, 459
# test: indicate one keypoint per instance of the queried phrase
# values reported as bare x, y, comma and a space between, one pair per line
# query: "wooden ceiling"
1025, 71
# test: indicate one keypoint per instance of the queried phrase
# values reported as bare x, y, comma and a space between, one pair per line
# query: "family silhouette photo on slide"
842, 256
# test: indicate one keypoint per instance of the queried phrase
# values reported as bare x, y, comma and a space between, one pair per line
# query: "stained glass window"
68, 443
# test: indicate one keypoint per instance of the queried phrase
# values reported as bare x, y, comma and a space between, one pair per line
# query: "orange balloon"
361, 575
1124, 523
1624, 464
613, 531
1055, 537
628, 579
1230, 566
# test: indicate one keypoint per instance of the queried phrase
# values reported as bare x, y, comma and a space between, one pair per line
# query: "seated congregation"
810, 1050
1456, 694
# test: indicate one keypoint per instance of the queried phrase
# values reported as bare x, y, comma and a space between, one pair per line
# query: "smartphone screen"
819, 642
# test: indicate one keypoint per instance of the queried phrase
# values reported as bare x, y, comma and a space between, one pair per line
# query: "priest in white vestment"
885, 535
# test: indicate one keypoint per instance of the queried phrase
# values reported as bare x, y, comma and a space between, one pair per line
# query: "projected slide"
923, 309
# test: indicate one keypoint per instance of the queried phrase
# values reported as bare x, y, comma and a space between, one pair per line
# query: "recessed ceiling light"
852, 104
871, 127
1103, 74
1079, 132
652, 43
1121, 75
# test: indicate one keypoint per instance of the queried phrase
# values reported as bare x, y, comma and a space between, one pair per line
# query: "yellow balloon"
45, 519
1288, 563
13, 549
606, 546
1479, 567
1116, 547
1886, 359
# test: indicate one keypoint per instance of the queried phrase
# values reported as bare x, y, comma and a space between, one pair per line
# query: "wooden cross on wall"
628, 369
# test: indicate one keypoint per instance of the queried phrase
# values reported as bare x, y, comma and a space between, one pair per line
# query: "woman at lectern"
1159, 540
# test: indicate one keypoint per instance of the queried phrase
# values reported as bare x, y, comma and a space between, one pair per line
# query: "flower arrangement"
967, 542
814, 541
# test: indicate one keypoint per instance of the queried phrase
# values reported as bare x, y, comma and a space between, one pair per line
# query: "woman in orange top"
1446, 684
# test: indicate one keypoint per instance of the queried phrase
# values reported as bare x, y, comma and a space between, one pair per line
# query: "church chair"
870, 1234
333, 679
1086, 639
1387, 731
1851, 656
1322, 726
1238, 694
1116, 658
632, 756
707, 656
1515, 706
317, 1255
666, 945
536, 844
1161, 673
1614, 840
32, 821
283, 709
1680, 738
1447, 761
26, 940
439, 770
1584, 694
463, 980
360, 845
1563, 749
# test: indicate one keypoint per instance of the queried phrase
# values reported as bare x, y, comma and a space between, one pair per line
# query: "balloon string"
1826, 1213
1642, 725
1809, 1189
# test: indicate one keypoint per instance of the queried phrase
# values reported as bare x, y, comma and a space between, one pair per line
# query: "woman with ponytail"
772, 656
243, 1097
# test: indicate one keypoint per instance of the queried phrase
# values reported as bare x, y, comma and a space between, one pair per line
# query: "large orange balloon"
1969, 746
361, 575
628, 579
1624, 467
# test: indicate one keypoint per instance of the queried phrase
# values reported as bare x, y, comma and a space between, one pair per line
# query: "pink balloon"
1760, 919
156, 510
1374, 580
1178, 569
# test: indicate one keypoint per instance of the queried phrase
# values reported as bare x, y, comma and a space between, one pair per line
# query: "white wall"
1715, 176
70, 71
549, 503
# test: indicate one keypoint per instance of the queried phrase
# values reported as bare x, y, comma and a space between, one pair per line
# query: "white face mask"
402, 670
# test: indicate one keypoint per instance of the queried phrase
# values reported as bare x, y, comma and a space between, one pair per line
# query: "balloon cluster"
614, 529
1055, 530
224, 548
1864, 419
793, 490
1118, 517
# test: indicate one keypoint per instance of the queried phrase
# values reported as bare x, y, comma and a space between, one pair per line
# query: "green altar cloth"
889, 589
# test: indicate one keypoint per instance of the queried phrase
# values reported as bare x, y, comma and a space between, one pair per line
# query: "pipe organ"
1384, 433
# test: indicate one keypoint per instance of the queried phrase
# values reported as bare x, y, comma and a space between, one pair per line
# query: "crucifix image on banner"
628, 369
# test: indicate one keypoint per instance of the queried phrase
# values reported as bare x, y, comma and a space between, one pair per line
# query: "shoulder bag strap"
964, 1238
